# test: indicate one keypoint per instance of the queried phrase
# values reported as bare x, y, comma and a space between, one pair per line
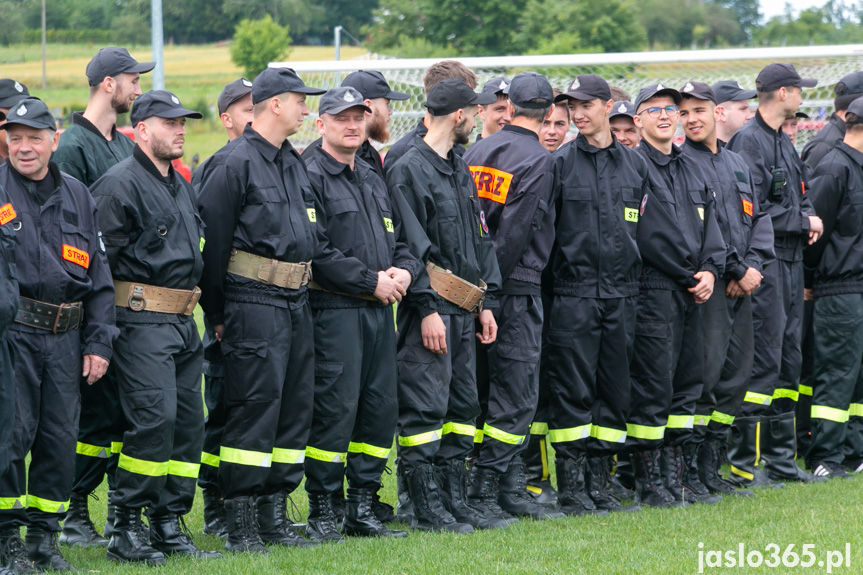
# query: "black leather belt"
47, 316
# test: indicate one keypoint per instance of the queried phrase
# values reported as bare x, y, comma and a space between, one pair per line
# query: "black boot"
128, 543
110, 516
536, 467
242, 527
360, 519
168, 534
43, 551
779, 450
274, 526
214, 513
78, 529
453, 481
691, 478
743, 454
404, 508
513, 497
383, 511
429, 514
708, 470
572, 488
621, 483
649, 487
322, 526
672, 469
597, 479
13, 554
338, 501
483, 493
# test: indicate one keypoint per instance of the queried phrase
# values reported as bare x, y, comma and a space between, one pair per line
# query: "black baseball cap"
587, 87
622, 108
529, 86
274, 81
113, 62
698, 90
801, 115
497, 85
453, 94
372, 84
11, 91
31, 112
731, 91
233, 92
340, 99
856, 108
849, 84
160, 103
653, 90
776, 75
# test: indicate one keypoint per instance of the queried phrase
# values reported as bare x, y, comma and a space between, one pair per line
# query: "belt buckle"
136, 300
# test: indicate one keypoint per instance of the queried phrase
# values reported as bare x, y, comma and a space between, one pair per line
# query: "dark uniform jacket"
359, 231
754, 142
405, 142
59, 254
85, 154
516, 185
443, 224
8, 272
834, 264
153, 234
257, 198
366, 153
679, 182
831, 134
746, 230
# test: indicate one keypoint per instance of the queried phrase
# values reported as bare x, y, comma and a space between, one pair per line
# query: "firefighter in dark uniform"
11, 91
257, 202
727, 315
765, 422
437, 392
668, 363
498, 114
89, 147
65, 311
834, 269
515, 185
235, 111
154, 237
362, 268
847, 89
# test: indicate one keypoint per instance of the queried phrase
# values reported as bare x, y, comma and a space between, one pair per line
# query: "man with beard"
11, 91
88, 149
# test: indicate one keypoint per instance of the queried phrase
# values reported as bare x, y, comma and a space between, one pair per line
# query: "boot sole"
84, 544
116, 558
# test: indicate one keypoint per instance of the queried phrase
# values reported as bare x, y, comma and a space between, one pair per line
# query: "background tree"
257, 43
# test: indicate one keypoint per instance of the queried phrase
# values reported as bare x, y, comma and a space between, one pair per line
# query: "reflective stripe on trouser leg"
688, 382
214, 426
101, 423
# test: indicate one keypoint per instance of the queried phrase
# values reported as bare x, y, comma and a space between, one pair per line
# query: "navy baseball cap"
622, 108
849, 84
731, 91
340, 99
31, 112
453, 94
11, 91
653, 90
497, 85
372, 84
113, 62
698, 90
529, 86
162, 104
587, 87
274, 81
233, 92
776, 75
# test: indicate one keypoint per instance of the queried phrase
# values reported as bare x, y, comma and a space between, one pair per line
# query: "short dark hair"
557, 93
842, 102
446, 69
767, 96
619, 94
531, 113
854, 121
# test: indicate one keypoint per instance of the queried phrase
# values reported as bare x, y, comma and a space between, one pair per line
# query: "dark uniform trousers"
437, 394
8, 309
47, 368
214, 393
158, 368
356, 409
586, 357
269, 393
804, 400
100, 434
777, 313
837, 399
667, 369
728, 357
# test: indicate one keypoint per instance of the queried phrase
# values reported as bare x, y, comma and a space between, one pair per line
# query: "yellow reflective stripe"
786, 393
142, 466
805, 390
116, 446
289, 456
209, 459
855, 410
374, 451
758, 398
757, 444
608, 434
502, 436
47, 505
183, 469
326, 456
539, 428
680, 422
478, 436
13, 502
569, 434
829, 413
420, 438
701, 419
92, 450
645, 431
741, 473
243, 457
723, 418
459, 428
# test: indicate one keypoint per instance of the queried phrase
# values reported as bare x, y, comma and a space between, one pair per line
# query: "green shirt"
85, 154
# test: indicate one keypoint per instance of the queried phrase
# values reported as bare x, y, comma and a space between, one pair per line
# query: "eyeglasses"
655, 111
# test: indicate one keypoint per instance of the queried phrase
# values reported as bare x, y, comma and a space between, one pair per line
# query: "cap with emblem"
11, 91
274, 81
776, 75
698, 90
453, 94
497, 85
731, 91
113, 62
340, 99
233, 92
622, 108
529, 86
849, 84
654, 90
162, 104
31, 112
372, 84
587, 87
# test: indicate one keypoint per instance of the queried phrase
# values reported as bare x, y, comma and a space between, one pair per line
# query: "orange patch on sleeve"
747, 207
491, 184
7, 214
76, 256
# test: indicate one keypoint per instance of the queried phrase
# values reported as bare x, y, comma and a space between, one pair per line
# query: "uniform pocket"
75, 251
147, 405
245, 349
343, 229
260, 208
329, 400
414, 354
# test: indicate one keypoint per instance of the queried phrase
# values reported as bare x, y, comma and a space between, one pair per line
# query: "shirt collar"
443, 165
851, 153
329, 163
264, 147
148, 165
79, 119
522, 131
